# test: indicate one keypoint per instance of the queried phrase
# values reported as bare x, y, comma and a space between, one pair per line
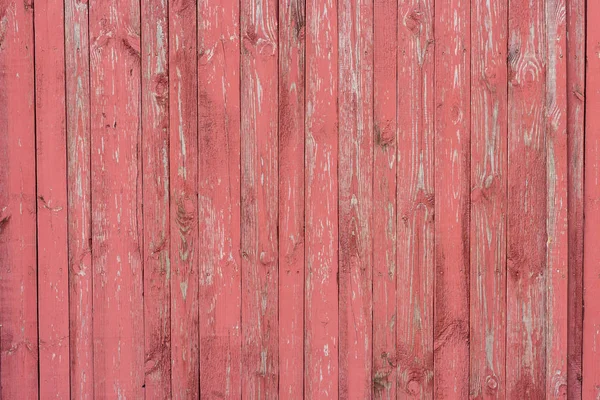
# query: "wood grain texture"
488, 199
51, 177
292, 21
117, 231
18, 254
155, 198
79, 214
355, 107
219, 198
385, 18
527, 208
321, 184
557, 210
183, 172
259, 149
415, 199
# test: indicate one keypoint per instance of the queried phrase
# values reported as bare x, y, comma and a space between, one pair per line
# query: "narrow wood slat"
155, 198
18, 284
488, 199
557, 211
321, 185
385, 19
77, 63
355, 107
116, 193
219, 198
526, 230
292, 21
183, 167
415, 199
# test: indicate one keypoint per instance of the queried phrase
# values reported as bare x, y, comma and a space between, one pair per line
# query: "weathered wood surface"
299, 199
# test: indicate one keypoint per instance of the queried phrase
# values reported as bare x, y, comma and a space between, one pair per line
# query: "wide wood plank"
488, 199
321, 185
219, 198
18, 277
116, 193
415, 199
355, 107
77, 64
155, 198
183, 166
292, 20
527, 190
385, 18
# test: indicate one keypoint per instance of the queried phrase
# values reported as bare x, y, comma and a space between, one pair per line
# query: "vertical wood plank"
452, 205
355, 105
219, 198
415, 199
591, 256
77, 58
556, 186
291, 197
259, 149
321, 185
18, 281
155, 198
53, 261
385, 19
575, 56
488, 199
116, 194
526, 230
183, 166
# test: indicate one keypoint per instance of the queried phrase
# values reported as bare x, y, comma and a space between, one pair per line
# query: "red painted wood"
488, 199
384, 198
77, 80
415, 200
591, 255
355, 107
18, 284
183, 167
321, 185
219, 198
527, 273
556, 186
155, 197
116, 192
575, 14
51, 150
259, 190
292, 20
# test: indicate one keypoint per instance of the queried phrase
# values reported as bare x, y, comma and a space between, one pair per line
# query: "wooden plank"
385, 19
292, 21
53, 258
575, 56
591, 255
488, 199
18, 283
259, 149
77, 62
116, 190
415, 199
556, 186
355, 107
526, 229
219, 196
183, 165
155, 198
452, 190
321, 186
